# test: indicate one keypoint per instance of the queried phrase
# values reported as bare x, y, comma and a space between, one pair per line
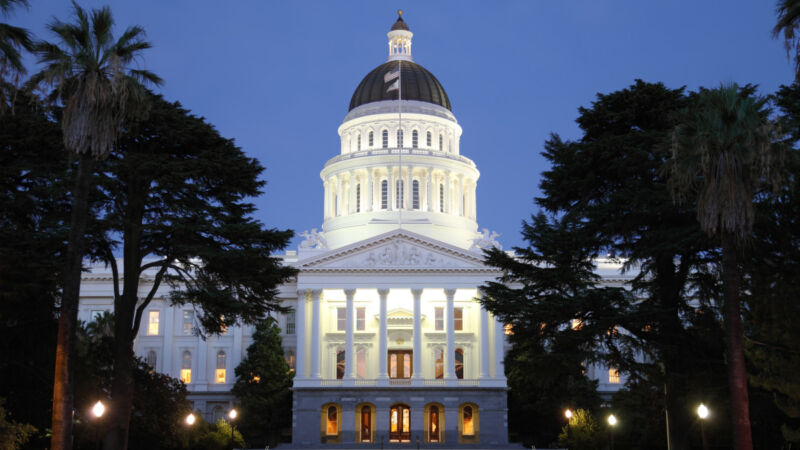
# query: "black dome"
418, 84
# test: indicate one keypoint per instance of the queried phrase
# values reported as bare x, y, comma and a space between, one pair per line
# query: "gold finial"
400, 13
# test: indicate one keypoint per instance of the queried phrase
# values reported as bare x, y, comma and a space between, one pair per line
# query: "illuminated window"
152, 324
219, 374
398, 197
576, 324
151, 359
358, 142
613, 376
468, 425
441, 198
384, 194
188, 322
371, 139
438, 363
341, 319
415, 194
361, 363
414, 139
441, 143
223, 328
385, 138
290, 359
509, 329
366, 424
340, 364
433, 414
438, 318
428, 140
358, 197
290, 323
186, 367
399, 138
361, 318
459, 363
399, 364
333, 422
613, 331
458, 319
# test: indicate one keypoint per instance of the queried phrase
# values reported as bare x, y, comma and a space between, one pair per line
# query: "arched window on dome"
414, 139
384, 194
358, 142
415, 194
399, 138
399, 195
428, 140
441, 198
441, 143
358, 198
385, 138
371, 139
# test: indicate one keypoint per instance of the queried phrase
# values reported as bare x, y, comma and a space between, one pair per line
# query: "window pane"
459, 363
469, 429
406, 365
340, 364
358, 197
152, 324
361, 364
434, 424
393, 420
341, 319
428, 141
414, 139
613, 376
441, 198
186, 375
406, 419
333, 425
289, 357
385, 138
290, 323
370, 138
151, 358
393, 365
188, 322
438, 313
384, 194
415, 194
219, 376
399, 195
361, 318
458, 319
438, 363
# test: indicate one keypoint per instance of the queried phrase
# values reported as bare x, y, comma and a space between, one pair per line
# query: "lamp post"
702, 413
97, 411
190, 419
612, 422
568, 414
232, 415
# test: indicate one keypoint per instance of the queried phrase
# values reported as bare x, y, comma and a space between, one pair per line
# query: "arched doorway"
399, 424
433, 425
366, 424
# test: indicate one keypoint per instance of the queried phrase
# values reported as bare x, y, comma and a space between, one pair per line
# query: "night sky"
278, 76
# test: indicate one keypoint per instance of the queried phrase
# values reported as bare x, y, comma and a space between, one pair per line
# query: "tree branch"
137, 320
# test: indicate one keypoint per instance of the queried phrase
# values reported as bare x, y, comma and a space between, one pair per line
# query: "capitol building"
387, 338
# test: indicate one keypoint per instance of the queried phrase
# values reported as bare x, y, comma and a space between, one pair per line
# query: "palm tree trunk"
737, 372
61, 438
121, 391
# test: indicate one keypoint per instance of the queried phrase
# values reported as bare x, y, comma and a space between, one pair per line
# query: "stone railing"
400, 152
402, 383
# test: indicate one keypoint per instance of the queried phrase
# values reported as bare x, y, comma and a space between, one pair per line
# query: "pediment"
398, 250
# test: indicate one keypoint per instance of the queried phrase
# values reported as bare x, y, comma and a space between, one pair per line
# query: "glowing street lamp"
232, 415
702, 413
190, 419
612, 422
98, 409
568, 414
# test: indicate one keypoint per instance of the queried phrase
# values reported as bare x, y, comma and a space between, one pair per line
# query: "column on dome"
301, 329
368, 206
427, 204
460, 195
499, 350
484, 338
473, 200
449, 352
383, 373
448, 185
417, 354
408, 188
325, 199
315, 320
349, 366
351, 203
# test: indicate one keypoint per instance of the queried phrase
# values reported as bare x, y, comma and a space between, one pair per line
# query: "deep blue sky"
278, 76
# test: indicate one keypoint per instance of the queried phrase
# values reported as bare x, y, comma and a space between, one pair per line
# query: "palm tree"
724, 152
788, 22
12, 41
99, 89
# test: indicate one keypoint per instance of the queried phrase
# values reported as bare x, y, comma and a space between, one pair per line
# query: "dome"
418, 84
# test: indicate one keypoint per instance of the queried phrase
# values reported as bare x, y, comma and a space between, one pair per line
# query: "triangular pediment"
397, 250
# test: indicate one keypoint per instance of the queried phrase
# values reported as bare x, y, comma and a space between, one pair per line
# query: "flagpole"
400, 143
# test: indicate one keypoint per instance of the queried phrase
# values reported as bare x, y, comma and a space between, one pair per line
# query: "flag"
395, 75
394, 87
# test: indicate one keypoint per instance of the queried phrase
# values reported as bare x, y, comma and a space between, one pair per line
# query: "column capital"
350, 293
449, 292
383, 292
301, 293
416, 292
315, 294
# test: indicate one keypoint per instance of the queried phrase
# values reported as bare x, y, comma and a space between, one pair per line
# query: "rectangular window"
415, 194
384, 194
290, 323
290, 358
509, 329
361, 318
398, 197
613, 376
341, 319
371, 139
400, 364
358, 198
458, 319
438, 363
188, 322
385, 139
576, 324
428, 140
361, 364
340, 364
441, 198
219, 376
186, 375
152, 324
438, 318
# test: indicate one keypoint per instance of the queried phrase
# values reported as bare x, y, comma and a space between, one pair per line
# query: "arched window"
361, 363
186, 367
384, 194
219, 375
358, 197
358, 142
441, 198
468, 424
428, 140
398, 204
433, 424
438, 363
340, 364
371, 139
333, 421
399, 424
415, 194
399, 138
441, 143
414, 139
459, 363
151, 359
385, 138
366, 424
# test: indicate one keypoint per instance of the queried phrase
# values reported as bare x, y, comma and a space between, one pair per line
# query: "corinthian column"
349, 367
449, 355
383, 374
417, 370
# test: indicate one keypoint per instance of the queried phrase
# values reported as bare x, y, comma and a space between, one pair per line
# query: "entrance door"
433, 426
366, 423
400, 364
399, 424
